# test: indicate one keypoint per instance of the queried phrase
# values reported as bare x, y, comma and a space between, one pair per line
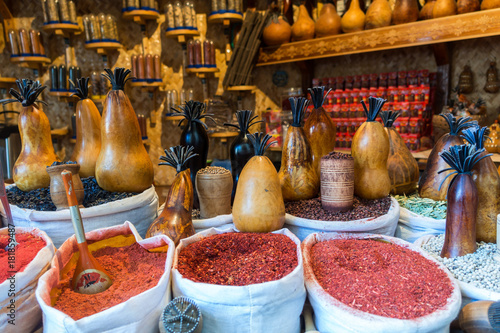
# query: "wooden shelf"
241, 88
225, 18
103, 47
174, 118
446, 29
62, 29
229, 134
64, 95
146, 84
7, 82
202, 72
30, 61
141, 15
182, 35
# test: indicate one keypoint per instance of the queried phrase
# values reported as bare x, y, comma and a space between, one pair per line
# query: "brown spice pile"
380, 278
213, 170
361, 209
337, 156
238, 259
133, 270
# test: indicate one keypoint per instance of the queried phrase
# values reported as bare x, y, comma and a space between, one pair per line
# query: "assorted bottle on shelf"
129, 5
173, 100
26, 43
146, 68
180, 15
227, 6
100, 28
59, 11
62, 78
201, 54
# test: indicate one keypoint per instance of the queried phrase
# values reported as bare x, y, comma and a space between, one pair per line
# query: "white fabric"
468, 290
27, 311
330, 315
140, 210
273, 306
140, 313
411, 226
385, 224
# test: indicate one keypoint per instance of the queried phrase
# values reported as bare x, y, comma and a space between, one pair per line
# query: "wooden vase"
214, 193
57, 190
337, 184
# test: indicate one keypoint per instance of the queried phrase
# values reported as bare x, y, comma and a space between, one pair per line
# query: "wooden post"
442, 56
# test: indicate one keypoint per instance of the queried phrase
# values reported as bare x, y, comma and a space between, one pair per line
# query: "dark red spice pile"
133, 271
337, 156
25, 252
361, 209
238, 259
380, 278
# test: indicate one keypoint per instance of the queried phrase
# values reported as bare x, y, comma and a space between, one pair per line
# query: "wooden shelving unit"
103, 47
241, 88
30, 61
62, 29
182, 35
225, 18
174, 118
7, 82
141, 15
202, 72
447, 29
146, 84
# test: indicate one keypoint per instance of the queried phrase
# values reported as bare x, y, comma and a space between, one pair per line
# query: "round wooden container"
57, 190
337, 184
214, 193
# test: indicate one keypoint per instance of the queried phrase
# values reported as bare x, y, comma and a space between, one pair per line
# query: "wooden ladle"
90, 277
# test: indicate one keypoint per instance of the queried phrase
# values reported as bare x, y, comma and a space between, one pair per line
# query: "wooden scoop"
90, 277
480, 317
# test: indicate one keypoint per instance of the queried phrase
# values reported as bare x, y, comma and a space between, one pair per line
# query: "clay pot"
214, 192
57, 190
337, 184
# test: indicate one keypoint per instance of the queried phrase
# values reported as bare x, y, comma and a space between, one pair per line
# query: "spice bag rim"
237, 291
341, 314
117, 206
408, 217
468, 290
360, 224
112, 316
37, 265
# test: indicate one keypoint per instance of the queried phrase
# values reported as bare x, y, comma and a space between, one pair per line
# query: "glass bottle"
95, 84
206, 53
87, 28
111, 25
95, 30
193, 16
24, 41
179, 22
197, 53
54, 78
215, 6
102, 26
222, 6
190, 53
14, 42
157, 67
44, 10
72, 12
63, 11
186, 14
52, 11
212, 54
63, 81
169, 14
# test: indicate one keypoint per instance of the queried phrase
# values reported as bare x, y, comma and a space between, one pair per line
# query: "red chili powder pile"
24, 253
238, 259
133, 271
380, 278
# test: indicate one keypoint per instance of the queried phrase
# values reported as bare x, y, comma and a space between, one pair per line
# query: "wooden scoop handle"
67, 177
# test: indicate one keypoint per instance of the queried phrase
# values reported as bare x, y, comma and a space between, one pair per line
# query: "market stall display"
247, 295
133, 303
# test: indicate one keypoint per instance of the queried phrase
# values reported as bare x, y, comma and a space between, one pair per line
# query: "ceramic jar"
337, 184
57, 190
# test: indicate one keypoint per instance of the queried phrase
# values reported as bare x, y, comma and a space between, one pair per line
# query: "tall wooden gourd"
298, 177
37, 151
487, 181
319, 127
426, 11
402, 166
405, 11
123, 164
258, 202
378, 15
444, 8
88, 131
303, 28
354, 19
328, 22
370, 150
467, 6
176, 219
195, 134
460, 233
490, 4
429, 185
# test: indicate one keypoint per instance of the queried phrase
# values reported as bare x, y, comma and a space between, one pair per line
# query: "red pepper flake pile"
23, 254
238, 259
380, 278
133, 270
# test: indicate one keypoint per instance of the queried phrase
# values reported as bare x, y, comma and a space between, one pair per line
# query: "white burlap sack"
412, 226
27, 312
140, 210
469, 292
331, 315
384, 225
138, 314
273, 306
